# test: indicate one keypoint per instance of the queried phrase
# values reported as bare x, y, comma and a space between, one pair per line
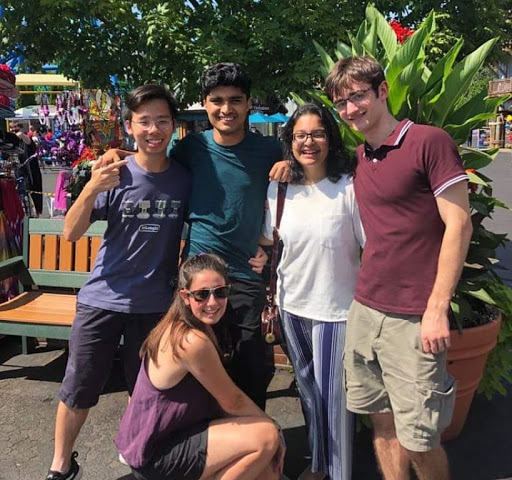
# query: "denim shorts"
93, 344
386, 370
182, 456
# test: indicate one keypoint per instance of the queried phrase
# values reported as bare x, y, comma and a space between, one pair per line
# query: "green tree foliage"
171, 41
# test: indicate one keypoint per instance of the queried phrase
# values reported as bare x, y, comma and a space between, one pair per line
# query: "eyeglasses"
163, 125
317, 136
204, 294
355, 98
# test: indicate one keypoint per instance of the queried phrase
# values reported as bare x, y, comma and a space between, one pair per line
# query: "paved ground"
28, 386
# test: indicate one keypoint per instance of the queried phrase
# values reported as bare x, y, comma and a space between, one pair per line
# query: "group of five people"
403, 198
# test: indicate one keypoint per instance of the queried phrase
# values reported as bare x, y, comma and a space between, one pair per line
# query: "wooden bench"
50, 273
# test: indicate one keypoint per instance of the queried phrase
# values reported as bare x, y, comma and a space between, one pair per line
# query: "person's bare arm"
453, 206
280, 171
266, 242
77, 219
201, 359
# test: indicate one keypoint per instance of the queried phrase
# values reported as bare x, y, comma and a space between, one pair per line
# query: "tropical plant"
431, 96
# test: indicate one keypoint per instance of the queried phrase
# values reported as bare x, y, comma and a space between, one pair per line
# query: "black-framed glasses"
355, 98
317, 136
204, 293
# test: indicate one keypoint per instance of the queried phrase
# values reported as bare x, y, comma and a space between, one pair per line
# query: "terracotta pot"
466, 361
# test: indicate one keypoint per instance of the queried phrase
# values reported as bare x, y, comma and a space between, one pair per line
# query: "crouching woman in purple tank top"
186, 419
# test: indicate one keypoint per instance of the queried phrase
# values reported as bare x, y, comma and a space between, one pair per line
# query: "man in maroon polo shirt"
412, 194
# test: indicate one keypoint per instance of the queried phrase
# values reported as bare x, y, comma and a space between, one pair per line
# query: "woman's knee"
266, 437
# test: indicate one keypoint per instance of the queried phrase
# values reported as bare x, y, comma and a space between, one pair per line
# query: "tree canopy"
172, 41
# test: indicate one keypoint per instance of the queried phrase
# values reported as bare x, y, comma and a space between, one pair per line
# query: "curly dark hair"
339, 161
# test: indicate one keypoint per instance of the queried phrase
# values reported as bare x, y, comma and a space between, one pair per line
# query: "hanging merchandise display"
8, 91
103, 126
11, 210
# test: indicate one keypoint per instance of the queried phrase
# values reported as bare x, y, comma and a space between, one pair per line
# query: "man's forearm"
78, 218
452, 255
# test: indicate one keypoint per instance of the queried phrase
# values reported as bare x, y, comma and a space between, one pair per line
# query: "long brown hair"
179, 318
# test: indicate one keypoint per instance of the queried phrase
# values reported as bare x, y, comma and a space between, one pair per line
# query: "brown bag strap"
281, 195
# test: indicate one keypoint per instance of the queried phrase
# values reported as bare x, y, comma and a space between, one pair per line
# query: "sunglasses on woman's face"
204, 293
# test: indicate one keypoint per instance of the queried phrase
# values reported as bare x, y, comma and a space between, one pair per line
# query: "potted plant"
432, 93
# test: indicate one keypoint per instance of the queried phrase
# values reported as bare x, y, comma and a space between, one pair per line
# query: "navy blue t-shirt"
137, 262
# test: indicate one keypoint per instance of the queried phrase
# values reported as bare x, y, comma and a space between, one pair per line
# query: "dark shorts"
182, 457
93, 343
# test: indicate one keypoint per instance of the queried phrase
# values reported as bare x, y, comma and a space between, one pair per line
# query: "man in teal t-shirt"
230, 172
230, 169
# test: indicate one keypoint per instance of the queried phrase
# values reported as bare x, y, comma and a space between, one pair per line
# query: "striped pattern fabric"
316, 351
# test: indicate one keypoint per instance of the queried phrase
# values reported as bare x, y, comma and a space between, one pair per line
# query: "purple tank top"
153, 415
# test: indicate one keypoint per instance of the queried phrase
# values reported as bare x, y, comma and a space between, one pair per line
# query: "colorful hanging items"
8, 91
62, 150
70, 110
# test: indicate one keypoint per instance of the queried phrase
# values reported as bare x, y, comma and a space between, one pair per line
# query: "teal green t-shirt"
229, 188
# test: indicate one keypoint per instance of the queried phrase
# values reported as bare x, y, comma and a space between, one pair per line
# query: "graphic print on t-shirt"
144, 207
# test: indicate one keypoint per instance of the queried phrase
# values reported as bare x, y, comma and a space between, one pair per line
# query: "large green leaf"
342, 50
385, 33
357, 46
474, 178
477, 159
435, 84
474, 290
406, 81
458, 82
475, 111
327, 61
460, 133
410, 51
370, 40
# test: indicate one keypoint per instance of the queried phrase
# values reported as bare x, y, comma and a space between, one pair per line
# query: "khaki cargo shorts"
387, 371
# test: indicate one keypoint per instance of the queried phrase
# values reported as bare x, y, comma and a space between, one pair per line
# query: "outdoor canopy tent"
263, 118
44, 79
258, 118
279, 118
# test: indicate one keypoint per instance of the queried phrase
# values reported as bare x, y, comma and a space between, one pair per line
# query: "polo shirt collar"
393, 141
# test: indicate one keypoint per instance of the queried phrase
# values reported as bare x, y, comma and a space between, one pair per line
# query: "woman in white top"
321, 234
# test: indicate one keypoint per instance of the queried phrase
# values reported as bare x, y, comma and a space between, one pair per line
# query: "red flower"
86, 156
402, 33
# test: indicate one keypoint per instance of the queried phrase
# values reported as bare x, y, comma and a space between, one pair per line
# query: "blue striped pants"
316, 351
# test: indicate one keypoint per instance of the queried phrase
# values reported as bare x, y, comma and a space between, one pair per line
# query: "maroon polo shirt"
395, 187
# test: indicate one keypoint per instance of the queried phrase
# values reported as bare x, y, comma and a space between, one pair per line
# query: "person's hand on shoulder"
280, 171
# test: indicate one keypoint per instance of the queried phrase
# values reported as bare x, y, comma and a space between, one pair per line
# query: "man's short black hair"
145, 93
225, 75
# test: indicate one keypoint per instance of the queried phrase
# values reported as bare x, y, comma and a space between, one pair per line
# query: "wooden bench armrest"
16, 266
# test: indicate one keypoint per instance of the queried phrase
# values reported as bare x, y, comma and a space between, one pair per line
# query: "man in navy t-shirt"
144, 199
